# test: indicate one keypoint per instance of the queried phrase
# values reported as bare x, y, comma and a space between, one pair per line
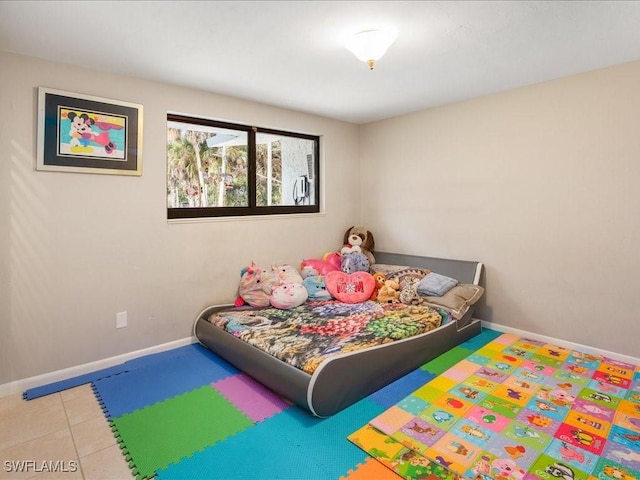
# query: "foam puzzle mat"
187, 413
515, 409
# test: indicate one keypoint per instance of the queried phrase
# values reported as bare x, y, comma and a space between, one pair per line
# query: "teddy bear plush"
389, 292
359, 239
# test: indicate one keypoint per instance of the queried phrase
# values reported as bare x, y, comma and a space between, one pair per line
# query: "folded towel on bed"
435, 285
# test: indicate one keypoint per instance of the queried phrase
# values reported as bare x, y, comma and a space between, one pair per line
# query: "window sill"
244, 218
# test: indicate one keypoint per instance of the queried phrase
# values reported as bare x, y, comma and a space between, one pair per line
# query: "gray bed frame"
344, 379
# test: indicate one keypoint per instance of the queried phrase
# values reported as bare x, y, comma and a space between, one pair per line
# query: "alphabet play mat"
516, 409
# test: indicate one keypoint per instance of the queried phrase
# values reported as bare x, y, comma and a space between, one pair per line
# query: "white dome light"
370, 45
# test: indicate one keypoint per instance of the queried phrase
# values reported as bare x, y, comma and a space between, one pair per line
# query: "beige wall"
77, 248
541, 184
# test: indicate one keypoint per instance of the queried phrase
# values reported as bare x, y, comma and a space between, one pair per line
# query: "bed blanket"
307, 335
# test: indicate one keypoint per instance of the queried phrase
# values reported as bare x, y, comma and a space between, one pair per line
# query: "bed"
345, 376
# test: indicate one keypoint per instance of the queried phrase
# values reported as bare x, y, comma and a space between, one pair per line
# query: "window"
217, 169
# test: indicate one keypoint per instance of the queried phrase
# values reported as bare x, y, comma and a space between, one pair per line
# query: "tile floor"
61, 436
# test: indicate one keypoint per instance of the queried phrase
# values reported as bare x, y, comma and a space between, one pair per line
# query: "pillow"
458, 299
403, 276
350, 288
435, 285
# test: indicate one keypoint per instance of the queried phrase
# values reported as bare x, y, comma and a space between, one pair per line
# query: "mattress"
307, 335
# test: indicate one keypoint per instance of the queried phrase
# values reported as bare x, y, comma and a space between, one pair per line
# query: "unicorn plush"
256, 285
316, 288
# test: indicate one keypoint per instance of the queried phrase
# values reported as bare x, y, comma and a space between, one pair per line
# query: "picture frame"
87, 134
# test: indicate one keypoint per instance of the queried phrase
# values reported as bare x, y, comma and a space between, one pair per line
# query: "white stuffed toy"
286, 274
288, 295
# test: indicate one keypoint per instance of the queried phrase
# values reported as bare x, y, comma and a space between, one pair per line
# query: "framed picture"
85, 134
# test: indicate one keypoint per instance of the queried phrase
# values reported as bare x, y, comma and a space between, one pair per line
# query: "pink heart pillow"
350, 288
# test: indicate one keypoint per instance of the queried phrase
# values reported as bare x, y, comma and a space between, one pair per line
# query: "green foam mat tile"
447, 360
292, 445
165, 432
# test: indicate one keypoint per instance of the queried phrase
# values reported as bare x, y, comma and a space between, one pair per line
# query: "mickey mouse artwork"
79, 133
92, 134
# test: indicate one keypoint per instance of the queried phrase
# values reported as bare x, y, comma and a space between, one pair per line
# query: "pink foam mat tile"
506, 339
251, 397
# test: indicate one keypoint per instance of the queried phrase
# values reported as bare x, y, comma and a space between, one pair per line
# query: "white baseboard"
563, 343
20, 386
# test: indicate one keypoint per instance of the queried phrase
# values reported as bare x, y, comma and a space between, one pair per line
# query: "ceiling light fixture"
370, 45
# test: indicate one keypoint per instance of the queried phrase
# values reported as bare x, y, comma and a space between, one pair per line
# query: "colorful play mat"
515, 409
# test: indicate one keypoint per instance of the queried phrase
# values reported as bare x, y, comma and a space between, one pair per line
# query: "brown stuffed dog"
357, 238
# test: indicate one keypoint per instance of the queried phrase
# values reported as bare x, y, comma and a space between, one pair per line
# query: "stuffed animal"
286, 274
350, 288
256, 285
389, 292
354, 262
288, 295
352, 247
316, 288
409, 291
314, 267
379, 279
359, 239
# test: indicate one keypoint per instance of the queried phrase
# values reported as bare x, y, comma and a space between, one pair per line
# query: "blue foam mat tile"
73, 382
480, 340
76, 381
396, 391
290, 445
328, 437
166, 376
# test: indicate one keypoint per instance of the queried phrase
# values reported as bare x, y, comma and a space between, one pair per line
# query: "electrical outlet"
121, 319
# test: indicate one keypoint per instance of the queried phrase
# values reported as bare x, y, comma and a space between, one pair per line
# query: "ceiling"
290, 53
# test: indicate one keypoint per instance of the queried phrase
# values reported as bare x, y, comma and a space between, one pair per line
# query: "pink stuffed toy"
260, 287
288, 296
314, 267
286, 274
350, 288
255, 287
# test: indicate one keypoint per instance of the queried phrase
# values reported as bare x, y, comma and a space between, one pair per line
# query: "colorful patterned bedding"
307, 335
